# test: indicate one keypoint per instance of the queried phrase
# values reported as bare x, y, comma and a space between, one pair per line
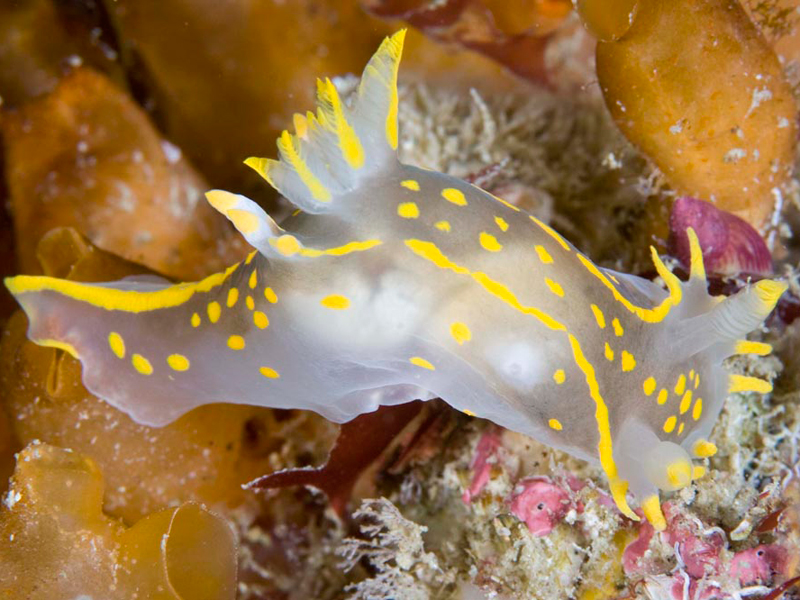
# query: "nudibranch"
393, 283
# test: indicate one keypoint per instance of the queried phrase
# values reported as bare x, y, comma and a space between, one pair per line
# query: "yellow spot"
599, 316
195, 320
178, 362
555, 424
221, 200
681, 385
680, 428
251, 304
501, 223
460, 332
697, 411
117, 344
489, 242
408, 210
628, 361
442, 225
544, 255
554, 287
559, 376
679, 474
260, 320
214, 311
243, 220
410, 184
686, 402
691, 374
651, 506
233, 296
618, 330
469, 413
287, 245
295, 212
662, 396
250, 257
669, 424
748, 347
421, 362
741, 383
340, 250
336, 302
289, 153
270, 295
698, 472
696, 380
141, 364
704, 449
253, 281
552, 233
455, 196
609, 352
269, 373
649, 385
236, 342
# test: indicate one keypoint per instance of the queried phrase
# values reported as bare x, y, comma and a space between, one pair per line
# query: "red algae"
360, 443
730, 245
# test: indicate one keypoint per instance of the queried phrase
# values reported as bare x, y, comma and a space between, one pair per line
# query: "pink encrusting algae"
703, 558
485, 457
540, 503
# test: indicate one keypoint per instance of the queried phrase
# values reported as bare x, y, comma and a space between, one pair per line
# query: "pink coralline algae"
759, 564
702, 554
540, 503
730, 245
699, 550
485, 457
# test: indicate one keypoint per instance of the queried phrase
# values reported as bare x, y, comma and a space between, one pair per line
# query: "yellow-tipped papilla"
743, 383
697, 266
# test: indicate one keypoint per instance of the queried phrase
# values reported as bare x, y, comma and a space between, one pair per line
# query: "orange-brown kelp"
58, 543
696, 87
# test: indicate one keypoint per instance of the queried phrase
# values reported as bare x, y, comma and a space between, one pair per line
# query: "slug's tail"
334, 149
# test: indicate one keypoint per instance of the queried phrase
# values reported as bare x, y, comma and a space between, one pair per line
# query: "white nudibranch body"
394, 283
